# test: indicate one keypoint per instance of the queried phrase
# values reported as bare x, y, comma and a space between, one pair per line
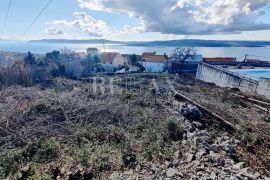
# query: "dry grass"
90, 134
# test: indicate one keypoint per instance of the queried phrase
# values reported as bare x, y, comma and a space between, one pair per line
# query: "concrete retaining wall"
264, 87
224, 78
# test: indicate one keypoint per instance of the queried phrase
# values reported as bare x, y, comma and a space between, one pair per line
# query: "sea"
238, 52
253, 73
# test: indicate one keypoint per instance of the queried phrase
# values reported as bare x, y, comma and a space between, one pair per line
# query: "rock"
130, 172
238, 166
176, 154
244, 170
62, 171
229, 163
192, 129
203, 133
201, 168
198, 125
192, 113
239, 176
251, 176
190, 157
247, 172
230, 150
173, 172
155, 169
213, 157
225, 138
138, 168
184, 110
129, 159
168, 164
195, 114
213, 176
114, 176
236, 141
184, 142
200, 153
267, 119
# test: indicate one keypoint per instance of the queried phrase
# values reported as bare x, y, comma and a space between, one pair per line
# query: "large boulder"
191, 113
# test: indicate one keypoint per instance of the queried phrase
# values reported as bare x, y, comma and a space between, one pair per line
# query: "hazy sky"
138, 19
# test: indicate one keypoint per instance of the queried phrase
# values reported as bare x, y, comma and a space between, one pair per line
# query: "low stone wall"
223, 78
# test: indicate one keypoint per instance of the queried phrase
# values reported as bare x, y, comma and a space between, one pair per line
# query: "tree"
182, 54
54, 55
94, 61
142, 69
59, 70
90, 64
30, 59
133, 59
71, 62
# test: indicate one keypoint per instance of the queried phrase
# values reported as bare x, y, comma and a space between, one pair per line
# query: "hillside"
63, 41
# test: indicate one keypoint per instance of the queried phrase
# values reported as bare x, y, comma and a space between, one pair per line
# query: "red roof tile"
107, 57
156, 58
148, 54
220, 59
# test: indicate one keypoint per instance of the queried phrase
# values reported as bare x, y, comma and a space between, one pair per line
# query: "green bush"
43, 151
168, 152
9, 162
101, 134
82, 154
174, 130
106, 158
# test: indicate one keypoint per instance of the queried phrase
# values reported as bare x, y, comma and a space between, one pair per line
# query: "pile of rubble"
205, 158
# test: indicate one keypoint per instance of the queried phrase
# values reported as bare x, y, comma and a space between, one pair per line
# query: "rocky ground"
140, 131
204, 156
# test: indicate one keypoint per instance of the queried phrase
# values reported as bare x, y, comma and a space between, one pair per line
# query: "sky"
137, 20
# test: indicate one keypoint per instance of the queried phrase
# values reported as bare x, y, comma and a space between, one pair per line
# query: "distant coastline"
166, 43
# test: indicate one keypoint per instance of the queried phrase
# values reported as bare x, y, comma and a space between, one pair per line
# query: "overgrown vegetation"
64, 125
31, 70
66, 130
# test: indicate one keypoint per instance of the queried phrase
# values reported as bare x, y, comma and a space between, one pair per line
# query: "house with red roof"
154, 63
110, 61
113, 58
220, 60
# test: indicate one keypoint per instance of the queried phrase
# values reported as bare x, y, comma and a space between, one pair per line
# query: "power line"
36, 18
5, 18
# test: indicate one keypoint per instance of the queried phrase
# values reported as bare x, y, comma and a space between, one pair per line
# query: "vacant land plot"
132, 126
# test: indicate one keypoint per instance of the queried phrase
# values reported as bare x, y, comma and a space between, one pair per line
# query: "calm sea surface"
254, 73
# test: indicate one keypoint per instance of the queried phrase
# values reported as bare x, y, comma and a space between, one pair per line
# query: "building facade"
154, 63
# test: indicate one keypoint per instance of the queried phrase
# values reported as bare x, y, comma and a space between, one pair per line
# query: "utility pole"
245, 58
103, 46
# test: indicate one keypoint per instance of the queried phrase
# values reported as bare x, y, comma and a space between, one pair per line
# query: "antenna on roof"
245, 58
103, 46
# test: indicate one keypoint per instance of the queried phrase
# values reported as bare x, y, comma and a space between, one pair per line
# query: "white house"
154, 63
